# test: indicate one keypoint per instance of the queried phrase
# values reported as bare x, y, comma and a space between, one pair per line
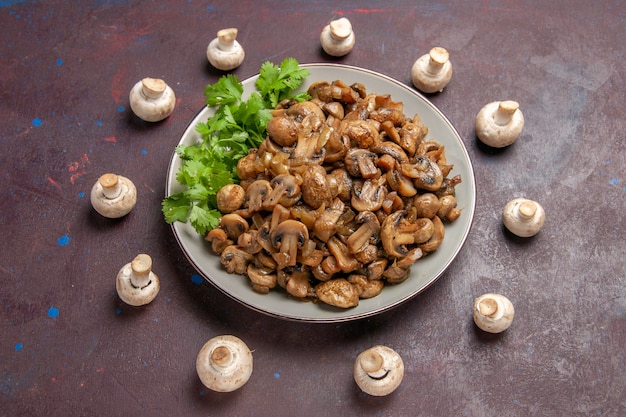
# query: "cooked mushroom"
337, 38
432, 72
234, 225
285, 190
523, 217
255, 195
315, 189
379, 370
152, 100
113, 196
219, 240
287, 238
338, 292
426, 174
365, 287
224, 52
136, 284
368, 195
361, 163
396, 233
493, 313
230, 198
224, 363
499, 123
283, 130
368, 229
235, 259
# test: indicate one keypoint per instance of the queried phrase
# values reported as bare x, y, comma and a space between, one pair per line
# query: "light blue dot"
19, 346
276, 375
53, 312
99, 122
197, 279
144, 152
59, 62
37, 122
81, 194
118, 311
614, 181
120, 109
64, 240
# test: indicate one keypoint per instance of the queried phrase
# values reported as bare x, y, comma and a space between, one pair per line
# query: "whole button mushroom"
499, 123
493, 313
152, 100
224, 363
523, 217
136, 284
224, 52
379, 370
337, 38
432, 72
113, 195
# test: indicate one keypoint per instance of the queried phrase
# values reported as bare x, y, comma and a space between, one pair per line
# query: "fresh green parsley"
236, 126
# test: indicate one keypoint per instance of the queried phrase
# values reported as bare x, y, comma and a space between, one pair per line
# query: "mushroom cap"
379, 370
152, 100
499, 123
432, 72
136, 284
523, 217
224, 363
493, 313
224, 52
118, 206
337, 38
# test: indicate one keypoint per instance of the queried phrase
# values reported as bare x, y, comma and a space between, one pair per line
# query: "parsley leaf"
236, 126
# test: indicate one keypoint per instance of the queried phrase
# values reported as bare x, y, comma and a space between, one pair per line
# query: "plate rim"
357, 316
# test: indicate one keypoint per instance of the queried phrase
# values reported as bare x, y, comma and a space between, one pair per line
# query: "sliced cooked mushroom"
366, 288
234, 225
426, 174
285, 190
256, 193
369, 229
361, 163
236, 260
438, 233
345, 260
263, 279
218, 239
396, 233
287, 238
368, 195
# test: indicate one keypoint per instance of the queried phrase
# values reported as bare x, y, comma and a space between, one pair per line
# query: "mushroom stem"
505, 111
488, 307
153, 88
221, 357
226, 39
438, 57
141, 267
340, 29
110, 186
527, 210
372, 363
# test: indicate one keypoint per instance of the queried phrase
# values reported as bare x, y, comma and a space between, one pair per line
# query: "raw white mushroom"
337, 38
432, 72
224, 52
493, 313
523, 217
113, 196
152, 100
379, 370
224, 363
136, 284
499, 123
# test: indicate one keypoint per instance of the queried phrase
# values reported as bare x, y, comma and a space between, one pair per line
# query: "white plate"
423, 273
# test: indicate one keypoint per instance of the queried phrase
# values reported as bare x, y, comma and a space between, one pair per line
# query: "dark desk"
71, 347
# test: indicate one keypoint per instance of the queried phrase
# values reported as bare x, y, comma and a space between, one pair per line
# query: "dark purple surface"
69, 346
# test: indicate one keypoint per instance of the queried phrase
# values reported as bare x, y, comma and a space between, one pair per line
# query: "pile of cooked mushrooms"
341, 198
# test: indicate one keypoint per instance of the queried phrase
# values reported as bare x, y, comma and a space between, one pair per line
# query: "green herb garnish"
237, 126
